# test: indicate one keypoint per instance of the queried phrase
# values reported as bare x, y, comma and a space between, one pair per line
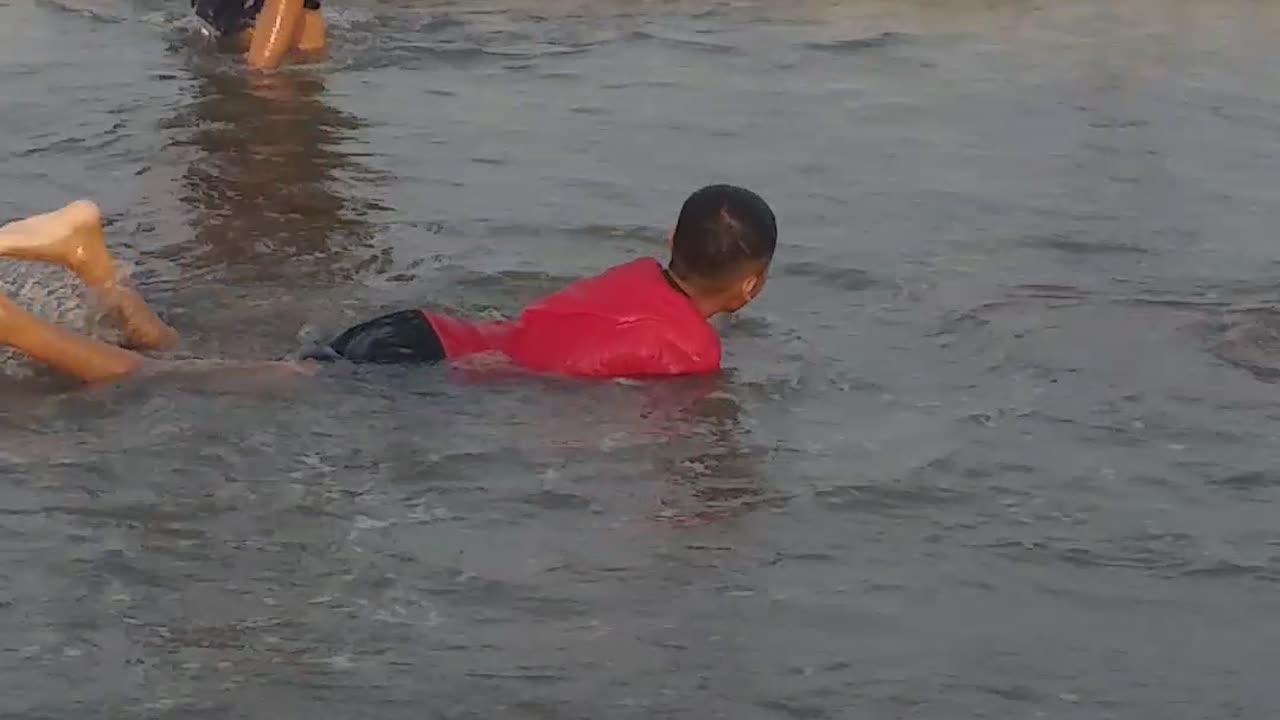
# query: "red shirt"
627, 322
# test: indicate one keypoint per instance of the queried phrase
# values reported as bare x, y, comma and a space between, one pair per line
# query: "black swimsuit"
228, 17
401, 338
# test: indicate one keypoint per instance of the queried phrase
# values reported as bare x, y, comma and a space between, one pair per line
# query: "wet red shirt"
626, 322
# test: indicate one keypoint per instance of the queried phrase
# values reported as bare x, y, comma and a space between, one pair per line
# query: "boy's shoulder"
623, 287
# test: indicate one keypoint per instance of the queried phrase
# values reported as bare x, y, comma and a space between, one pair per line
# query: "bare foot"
70, 237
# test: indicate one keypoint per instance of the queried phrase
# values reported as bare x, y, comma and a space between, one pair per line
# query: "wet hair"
722, 230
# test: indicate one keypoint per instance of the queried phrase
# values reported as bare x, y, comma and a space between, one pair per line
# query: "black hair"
721, 229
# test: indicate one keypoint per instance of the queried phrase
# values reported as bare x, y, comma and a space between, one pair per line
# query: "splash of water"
52, 294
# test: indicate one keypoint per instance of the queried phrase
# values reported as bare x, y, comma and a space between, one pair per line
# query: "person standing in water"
637, 319
266, 30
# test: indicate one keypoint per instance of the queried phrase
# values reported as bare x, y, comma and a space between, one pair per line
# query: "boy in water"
266, 30
637, 319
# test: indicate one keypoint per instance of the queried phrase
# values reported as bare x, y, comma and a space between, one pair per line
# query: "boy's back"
629, 321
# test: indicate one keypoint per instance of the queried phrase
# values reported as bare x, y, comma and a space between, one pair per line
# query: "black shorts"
405, 337
229, 17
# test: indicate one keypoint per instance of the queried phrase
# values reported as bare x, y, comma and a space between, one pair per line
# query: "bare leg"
72, 237
309, 42
311, 35
82, 357
93, 361
277, 30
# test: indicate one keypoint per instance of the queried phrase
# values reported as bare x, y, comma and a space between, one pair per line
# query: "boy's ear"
671, 238
737, 297
752, 284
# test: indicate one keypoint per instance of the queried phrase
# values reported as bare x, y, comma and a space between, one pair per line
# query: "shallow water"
996, 441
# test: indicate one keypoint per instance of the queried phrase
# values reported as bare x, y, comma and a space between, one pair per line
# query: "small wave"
965, 321
508, 279
1179, 302
553, 500
589, 110
638, 234
1063, 242
94, 12
507, 597
640, 82
97, 142
1117, 124
1162, 554
228, 636
683, 42
1253, 347
754, 326
860, 44
1257, 120
797, 709
1249, 480
839, 278
422, 26
887, 497
1016, 693
640, 237
817, 556
409, 55
1224, 568
395, 41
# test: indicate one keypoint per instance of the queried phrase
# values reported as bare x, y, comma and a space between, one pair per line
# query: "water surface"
996, 442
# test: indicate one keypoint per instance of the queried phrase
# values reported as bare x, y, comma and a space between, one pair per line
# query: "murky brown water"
998, 441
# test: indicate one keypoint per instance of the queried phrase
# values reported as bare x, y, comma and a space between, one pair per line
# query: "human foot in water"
70, 237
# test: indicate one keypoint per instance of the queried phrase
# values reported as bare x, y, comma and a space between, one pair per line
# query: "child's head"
722, 246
